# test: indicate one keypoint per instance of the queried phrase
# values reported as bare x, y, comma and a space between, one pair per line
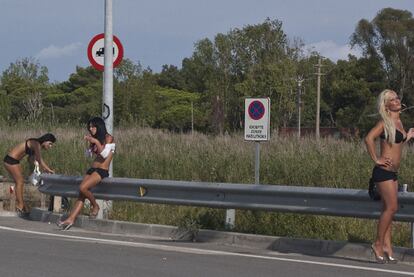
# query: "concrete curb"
340, 249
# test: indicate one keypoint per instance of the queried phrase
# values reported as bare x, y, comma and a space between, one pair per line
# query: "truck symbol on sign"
101, 51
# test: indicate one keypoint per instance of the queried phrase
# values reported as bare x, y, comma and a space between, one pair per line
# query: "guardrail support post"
57, 204
412, 234
230, 218
12, 198
42, 201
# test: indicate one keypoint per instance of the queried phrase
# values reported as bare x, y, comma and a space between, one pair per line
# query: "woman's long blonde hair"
389, 126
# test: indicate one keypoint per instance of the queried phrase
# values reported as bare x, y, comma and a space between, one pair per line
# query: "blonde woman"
392, 136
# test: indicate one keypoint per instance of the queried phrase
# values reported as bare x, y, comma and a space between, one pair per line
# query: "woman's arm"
92, 140
38, 157
109, 146
109, 138
410, 134
370, 144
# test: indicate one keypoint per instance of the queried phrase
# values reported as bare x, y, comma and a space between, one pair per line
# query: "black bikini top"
29, 151
399, 137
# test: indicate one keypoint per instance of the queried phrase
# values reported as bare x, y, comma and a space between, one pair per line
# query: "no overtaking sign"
257, 119
96, 51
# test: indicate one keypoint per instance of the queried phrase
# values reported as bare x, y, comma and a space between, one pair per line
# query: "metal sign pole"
107, 99
257, 164
256, 128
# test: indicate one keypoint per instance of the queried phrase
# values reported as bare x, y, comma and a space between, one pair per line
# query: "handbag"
34, 178
372, 191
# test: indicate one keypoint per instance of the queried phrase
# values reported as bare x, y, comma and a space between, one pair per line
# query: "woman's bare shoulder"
109, 138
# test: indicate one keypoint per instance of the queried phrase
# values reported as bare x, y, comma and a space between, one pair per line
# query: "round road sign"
96, 51
256, 110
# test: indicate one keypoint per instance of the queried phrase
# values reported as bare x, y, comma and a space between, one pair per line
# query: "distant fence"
292, 199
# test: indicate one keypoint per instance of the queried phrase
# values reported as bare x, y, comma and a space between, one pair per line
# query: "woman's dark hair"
101, 132
46, 137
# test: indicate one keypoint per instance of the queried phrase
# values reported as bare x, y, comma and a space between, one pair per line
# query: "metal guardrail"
294, 199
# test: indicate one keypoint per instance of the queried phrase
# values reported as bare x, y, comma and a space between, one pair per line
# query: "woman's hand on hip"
384, 161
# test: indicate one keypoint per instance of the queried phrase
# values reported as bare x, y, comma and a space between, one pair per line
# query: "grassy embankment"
154, 154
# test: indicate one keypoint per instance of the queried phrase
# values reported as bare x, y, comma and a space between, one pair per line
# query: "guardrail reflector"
142, 191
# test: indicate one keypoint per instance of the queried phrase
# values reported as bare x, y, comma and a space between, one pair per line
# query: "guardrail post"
412, 234
57, 204
12, 198
42, 201
230, 218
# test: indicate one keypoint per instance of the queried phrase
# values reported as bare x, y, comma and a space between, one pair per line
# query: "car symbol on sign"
101, 51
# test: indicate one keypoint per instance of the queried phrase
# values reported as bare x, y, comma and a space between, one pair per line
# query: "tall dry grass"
156, 154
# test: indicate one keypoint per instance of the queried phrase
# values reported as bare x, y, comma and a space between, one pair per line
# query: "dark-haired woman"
100, 144
32, 148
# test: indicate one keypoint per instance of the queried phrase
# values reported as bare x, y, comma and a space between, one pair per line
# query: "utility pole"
299, 80
107, 105
192, 118
318, 97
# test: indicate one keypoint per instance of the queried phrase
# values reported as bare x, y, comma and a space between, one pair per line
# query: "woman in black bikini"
98, 139
392, 136
31, 147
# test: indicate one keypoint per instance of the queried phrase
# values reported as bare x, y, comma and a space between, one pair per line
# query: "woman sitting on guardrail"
100, 144
32, 148
392, 136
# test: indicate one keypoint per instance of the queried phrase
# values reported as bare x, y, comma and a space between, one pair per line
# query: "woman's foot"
22, 213
379, 257
389, 256
390, 259
64, 225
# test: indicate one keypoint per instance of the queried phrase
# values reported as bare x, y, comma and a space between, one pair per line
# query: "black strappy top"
399, 137
29, 151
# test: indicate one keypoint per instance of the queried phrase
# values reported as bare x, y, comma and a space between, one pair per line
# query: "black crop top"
399, 137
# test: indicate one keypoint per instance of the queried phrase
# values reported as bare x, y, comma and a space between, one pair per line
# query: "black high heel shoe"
378, 258
64, 226
390, 259
22, 213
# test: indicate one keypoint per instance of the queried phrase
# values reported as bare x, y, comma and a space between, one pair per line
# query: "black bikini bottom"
102, 172
380, 175
10, 160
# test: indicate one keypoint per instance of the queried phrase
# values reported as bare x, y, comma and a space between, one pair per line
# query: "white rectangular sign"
257, 119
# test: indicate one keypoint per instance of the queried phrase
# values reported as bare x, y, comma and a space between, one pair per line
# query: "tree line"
209, 89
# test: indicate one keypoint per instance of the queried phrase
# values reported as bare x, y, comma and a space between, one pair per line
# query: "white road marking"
189, 250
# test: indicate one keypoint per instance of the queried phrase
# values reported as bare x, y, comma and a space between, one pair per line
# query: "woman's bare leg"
16, 172
85, 187
88, 182
388, 191
387, 247
77, 208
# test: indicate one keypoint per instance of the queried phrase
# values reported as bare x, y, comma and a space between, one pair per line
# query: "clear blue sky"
157, 32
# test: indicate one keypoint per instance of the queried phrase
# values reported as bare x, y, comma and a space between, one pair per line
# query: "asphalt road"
31, 248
